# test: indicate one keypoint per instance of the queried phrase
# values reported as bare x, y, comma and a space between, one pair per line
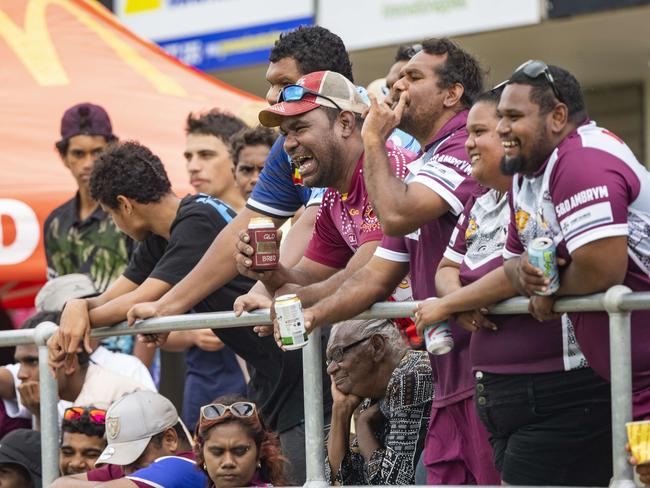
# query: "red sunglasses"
96, 415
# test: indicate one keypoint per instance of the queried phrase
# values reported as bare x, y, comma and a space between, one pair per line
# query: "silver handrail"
618, 302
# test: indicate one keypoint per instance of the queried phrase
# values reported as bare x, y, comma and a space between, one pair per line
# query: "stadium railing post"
312, 380
49, 397
620, 348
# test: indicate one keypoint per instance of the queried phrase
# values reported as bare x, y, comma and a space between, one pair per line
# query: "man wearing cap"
435, 90
320, 117
148, 446
79, 236
20, 459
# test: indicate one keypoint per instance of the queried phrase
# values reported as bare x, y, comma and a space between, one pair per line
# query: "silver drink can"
541, 254
288, 312
438, 338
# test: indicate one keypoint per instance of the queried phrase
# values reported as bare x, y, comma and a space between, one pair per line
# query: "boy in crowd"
82, 439
84, 384
209, 163
130, 182
147, 446
249, 150
20, 459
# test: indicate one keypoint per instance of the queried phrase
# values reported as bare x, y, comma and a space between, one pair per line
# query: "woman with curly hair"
234, 448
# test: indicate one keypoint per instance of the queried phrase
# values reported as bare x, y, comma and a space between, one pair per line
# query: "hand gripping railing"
617, 302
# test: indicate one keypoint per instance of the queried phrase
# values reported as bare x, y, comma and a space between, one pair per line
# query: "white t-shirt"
123, 364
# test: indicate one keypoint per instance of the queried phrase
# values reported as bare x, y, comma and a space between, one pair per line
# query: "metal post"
312, 380
620, 351
49, 400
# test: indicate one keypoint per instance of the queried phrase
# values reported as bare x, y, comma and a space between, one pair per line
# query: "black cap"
23, 447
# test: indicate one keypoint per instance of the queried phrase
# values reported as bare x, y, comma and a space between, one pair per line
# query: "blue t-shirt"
209, 374
276, 194
170, 472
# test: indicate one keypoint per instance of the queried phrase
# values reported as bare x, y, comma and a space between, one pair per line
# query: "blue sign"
233, 48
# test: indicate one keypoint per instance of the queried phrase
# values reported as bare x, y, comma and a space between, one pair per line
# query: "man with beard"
581, 186
435, 90
320, 117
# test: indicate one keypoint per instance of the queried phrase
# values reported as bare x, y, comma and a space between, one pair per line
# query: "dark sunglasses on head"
534, 68
95, 415
237, 409
412, 50
295, 93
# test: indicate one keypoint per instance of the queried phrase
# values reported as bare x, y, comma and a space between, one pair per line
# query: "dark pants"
549, 428
293, 448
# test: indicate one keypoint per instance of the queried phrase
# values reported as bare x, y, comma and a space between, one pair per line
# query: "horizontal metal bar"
16, 337
222, 320
635, 301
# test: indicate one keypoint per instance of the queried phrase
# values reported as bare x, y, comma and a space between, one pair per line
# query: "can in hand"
438, 339
263, 240
288, 312
541, 254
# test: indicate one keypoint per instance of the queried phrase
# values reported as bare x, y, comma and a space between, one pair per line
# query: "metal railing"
618, 302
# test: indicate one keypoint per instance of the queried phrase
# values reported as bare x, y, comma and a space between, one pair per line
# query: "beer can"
541, 254
438, 339
263, 240
288, 312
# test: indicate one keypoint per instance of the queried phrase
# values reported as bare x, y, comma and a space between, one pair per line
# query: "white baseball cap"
131, 422
54, 294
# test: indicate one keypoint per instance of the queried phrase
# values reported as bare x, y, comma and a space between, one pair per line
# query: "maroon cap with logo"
86, 119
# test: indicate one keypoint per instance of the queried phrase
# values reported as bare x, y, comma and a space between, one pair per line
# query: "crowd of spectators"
427, 186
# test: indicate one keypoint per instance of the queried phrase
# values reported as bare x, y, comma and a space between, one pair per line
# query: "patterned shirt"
347, 221
406, 408
521, 345
94, 246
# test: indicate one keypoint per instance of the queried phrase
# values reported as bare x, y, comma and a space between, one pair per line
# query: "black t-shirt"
276, 376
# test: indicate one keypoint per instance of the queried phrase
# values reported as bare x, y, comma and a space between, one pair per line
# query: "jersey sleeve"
393, 249
107, 472
592, 205
276, 194
448, 173
170, 472
513, 248
326, 245
457, 247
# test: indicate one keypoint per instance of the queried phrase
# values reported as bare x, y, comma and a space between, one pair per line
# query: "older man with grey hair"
370, 366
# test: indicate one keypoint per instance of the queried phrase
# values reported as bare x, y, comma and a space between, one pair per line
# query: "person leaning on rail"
547, 412
582, 186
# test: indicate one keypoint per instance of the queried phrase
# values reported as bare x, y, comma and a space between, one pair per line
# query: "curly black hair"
459, 67
542, 92
214, 123
315, 49
83, 425
129, 169
257, 136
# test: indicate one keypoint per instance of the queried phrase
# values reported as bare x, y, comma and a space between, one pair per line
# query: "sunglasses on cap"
95, 415
295, 93
534, 68
237, 409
